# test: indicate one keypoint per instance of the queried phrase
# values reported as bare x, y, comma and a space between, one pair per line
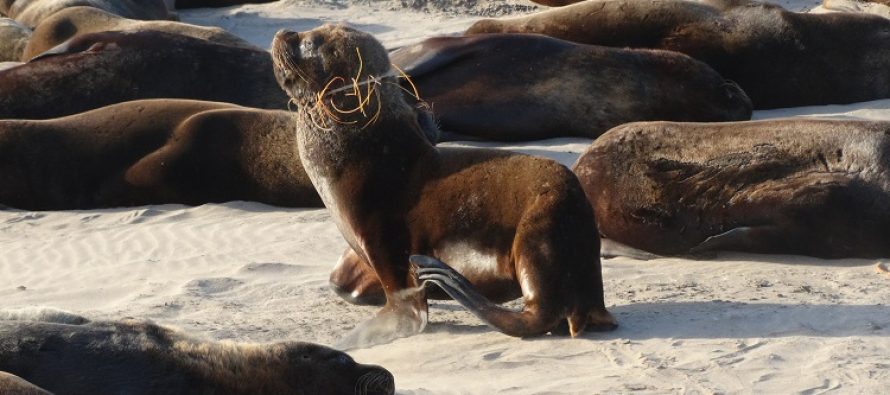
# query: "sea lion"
153, 152
184, 4
31, 12
520, 224
99, 69
13, 39
14, 385
529, 86
808, 187
780, 58
77, 21
138, 357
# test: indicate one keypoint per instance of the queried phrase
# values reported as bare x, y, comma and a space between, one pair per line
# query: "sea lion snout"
375, 381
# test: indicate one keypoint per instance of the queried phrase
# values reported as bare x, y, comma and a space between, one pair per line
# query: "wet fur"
780, 58
153, 152
810, 187
526, 87
99, 69
392, 194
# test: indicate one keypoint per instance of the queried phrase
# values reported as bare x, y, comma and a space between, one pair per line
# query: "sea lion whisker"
410, 82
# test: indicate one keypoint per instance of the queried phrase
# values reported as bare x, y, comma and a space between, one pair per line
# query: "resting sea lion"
810, 187
77, 21
13, 39
520, 224
779, 58
31, 12
529, 86
99, 69
153, 152
136, 357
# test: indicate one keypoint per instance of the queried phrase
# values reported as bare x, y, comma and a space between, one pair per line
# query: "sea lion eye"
304, 357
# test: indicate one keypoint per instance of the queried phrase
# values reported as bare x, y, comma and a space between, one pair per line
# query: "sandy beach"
248, 272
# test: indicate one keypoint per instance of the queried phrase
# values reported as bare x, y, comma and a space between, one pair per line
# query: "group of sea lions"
479, 226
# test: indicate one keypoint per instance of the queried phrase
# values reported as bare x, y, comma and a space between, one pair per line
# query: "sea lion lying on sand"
527, 87
99, 69
78, 21
137, 357
521, 224
809, 187
153, 152
780, 58
31, 12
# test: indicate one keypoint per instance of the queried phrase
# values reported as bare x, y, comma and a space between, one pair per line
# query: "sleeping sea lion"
138, 357
809, 187
520, 224
78, 21
529, 86
153, 152
779, 58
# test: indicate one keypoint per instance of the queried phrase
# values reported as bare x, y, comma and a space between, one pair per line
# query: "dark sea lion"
517, 224
153, 152
99, 69
809, 187
14, 385
77, 21
780, 58
137, 357
31, 12
529, 86
184, 4
13, 40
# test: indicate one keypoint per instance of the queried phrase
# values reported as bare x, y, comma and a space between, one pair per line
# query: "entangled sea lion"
529, 86
779, 58
792, 186
153, 152
520, 224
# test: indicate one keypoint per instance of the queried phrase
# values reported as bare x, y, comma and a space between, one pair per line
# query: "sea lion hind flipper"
732, 239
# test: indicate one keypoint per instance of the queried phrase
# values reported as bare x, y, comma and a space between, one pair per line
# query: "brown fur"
99, 69
525, 87
13, 40
152, 152
78, 21
392, 194
14, 385
31, 12
136, 357
811, 187
780, 58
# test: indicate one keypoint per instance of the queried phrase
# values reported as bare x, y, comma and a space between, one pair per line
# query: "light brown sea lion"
152, 152
77, 21
99, 69
780, 58
137, 357
14, 385
31, 12
521, 225
529, 86
13, 40
809, 187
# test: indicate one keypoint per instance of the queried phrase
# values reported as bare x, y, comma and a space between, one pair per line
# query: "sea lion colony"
643, 184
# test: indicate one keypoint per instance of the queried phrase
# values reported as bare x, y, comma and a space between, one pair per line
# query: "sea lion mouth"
376, 382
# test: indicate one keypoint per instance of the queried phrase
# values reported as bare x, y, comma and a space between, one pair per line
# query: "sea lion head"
331, 56
318, 369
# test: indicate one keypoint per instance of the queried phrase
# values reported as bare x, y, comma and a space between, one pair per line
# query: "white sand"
249, 272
